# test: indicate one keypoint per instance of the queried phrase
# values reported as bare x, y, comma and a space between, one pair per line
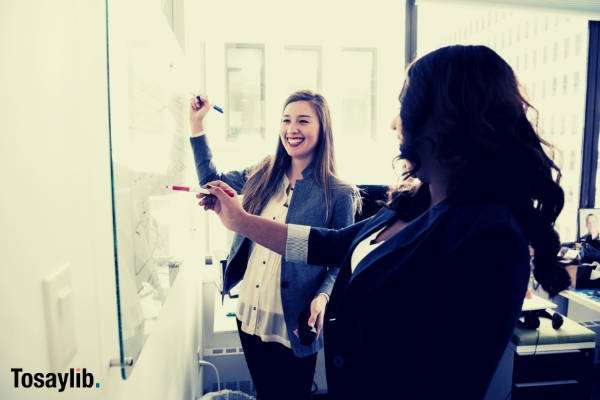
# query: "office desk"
584, 297
544, 363
548, 362
585, 309
536, 303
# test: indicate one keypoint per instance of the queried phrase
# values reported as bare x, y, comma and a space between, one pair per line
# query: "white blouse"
363, 249
259, 309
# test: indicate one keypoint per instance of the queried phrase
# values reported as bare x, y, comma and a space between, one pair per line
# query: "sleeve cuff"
296, 245
326, 296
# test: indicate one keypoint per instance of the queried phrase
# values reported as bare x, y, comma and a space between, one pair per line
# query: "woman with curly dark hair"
431, 287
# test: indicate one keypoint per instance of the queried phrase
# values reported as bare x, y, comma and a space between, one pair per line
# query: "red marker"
196, 189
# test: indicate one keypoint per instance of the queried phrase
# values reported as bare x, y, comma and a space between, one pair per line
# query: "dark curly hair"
468, 97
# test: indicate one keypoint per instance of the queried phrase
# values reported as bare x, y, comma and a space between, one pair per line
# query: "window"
590, 175
556, 103
245, 85
358, 93
252, 68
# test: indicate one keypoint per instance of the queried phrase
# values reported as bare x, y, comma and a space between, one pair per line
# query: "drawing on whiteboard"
149, 150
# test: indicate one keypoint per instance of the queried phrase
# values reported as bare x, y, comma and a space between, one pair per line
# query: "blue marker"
219, 109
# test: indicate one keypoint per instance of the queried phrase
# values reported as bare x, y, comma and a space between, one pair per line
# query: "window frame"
256, 46
591, 130
373, 51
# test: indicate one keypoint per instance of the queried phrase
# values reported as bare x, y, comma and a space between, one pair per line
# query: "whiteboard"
148, 104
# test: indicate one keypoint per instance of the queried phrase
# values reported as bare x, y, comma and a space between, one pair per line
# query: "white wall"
55, 209
331, 25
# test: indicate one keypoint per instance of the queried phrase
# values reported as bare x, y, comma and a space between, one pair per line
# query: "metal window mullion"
592, 120
410, 38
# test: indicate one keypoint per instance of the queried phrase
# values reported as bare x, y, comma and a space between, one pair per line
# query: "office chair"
373, 198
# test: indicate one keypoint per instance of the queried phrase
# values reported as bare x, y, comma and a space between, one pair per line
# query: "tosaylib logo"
75, 378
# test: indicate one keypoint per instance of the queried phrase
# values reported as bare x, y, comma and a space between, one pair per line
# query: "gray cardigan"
300, 283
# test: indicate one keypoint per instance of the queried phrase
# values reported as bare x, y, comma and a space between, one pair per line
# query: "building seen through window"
548, 52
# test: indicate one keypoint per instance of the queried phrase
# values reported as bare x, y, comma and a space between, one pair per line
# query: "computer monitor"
588, 223
589, 247
587, 219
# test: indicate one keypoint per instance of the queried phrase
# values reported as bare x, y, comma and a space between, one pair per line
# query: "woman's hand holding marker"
223, 201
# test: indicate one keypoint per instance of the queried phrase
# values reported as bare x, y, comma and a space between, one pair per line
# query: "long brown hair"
266, 177
469, 98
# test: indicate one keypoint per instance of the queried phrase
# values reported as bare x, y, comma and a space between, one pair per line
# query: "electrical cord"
537, 340
203, 363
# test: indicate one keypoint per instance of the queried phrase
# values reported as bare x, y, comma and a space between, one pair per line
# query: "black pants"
276, 372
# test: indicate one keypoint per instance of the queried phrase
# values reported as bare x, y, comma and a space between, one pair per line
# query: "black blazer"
427, 314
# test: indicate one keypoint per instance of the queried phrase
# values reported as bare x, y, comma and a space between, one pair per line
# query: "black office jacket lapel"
382, 218
351, 288
406, 238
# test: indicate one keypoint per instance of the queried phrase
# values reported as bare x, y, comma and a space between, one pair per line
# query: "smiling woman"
297, 183
453, 228
352, 59
300, 130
